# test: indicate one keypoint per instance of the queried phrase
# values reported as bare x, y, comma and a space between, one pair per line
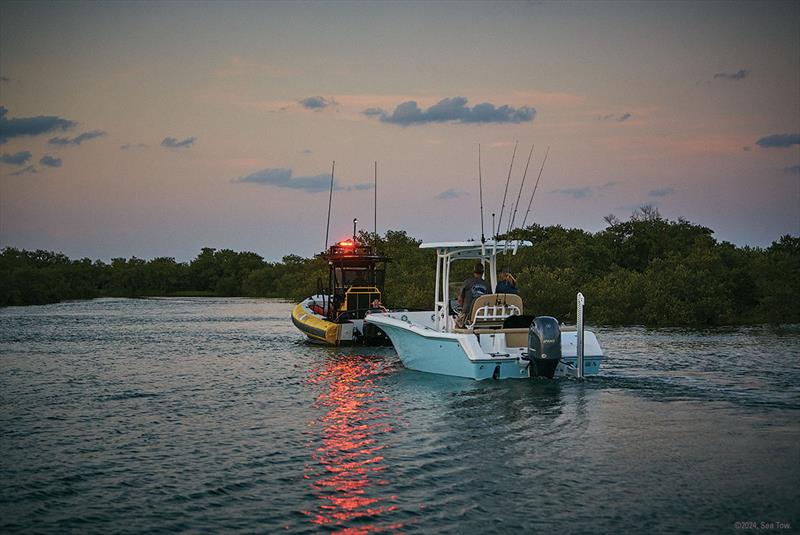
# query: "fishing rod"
480, 186
534, 187
514, 217
500, 221
330, 199
376, 198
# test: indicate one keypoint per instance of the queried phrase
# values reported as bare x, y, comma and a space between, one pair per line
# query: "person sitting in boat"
472, 288
507, 284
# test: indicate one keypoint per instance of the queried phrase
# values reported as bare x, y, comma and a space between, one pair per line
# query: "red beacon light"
346, 243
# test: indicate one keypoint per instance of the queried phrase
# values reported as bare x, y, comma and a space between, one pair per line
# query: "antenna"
494, 234
355, 222
500, 221
535, 186
376, 198
330, 198
480, 186
514, 217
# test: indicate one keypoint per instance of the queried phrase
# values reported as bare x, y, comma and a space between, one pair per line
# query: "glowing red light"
346, 243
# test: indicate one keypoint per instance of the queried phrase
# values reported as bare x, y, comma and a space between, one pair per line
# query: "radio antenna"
502, 208
480, 186
535, 186
376, 198
330, 199
514, 217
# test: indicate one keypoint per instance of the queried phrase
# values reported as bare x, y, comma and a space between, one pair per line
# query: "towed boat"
335, 316
497, 340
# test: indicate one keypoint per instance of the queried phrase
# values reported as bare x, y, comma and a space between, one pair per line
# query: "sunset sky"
155, 129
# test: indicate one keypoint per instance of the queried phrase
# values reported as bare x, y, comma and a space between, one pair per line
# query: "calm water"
214, 415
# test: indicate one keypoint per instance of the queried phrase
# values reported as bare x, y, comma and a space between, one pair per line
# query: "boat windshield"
358, 276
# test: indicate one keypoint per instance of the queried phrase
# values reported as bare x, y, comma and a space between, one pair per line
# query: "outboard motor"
544, 346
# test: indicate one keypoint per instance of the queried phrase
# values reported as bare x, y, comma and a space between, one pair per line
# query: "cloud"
780, 141
452, 110
792, 170
128, 146
575, 193
50, 161
374, 112
19, 158
450, 194
172, 143
307, 151
316, 103
735, 76
30, 170
77, 140
30, 126
585, 192
614, 117
5, 79
362, 186
282, 178
661, 192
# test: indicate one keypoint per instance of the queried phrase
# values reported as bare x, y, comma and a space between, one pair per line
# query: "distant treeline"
647, 270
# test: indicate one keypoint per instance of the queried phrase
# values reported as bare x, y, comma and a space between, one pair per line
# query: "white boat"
498, 340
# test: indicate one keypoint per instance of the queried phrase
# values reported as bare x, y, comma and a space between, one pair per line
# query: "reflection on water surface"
348, 469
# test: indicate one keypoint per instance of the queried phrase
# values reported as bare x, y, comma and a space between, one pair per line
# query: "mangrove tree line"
646, 270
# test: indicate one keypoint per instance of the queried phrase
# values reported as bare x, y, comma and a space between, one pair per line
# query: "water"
133, 416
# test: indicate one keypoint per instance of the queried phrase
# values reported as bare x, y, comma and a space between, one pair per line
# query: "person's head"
505, 274
478, 271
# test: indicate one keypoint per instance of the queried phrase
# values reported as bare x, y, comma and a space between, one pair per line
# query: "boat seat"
491, 310
515, 337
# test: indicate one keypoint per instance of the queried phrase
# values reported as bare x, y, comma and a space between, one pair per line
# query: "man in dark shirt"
507, 284
472, 288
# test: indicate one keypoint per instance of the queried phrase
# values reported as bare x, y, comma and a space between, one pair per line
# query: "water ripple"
215, 415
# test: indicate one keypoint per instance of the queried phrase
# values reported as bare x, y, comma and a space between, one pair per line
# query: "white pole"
579, 328
437, 306
446, 292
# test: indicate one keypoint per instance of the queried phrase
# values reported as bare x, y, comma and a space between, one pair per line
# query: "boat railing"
493, 309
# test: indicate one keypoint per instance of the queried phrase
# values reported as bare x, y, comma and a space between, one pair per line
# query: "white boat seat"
515, 337
491, 309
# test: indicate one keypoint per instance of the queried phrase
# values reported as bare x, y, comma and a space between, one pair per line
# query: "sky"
155, 129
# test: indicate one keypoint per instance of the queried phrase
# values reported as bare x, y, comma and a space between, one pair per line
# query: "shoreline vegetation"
645, 271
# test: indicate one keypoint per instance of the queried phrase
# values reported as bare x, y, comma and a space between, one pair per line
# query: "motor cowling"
544, 346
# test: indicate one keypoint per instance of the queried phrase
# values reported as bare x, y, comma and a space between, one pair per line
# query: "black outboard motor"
544, 346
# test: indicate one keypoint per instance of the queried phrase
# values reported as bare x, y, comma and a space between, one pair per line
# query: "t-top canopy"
476, 250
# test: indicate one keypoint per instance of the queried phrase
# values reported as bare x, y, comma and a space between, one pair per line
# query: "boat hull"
316, 327
479, 357
319, 329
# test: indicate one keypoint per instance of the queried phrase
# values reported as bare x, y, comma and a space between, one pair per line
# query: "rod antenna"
516, 205
530, 203
480, 188
330, 199
502, 208
376, 198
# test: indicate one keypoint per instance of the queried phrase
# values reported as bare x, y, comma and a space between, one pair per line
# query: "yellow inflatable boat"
335, 316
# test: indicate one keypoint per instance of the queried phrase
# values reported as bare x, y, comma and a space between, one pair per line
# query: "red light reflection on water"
348, 463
